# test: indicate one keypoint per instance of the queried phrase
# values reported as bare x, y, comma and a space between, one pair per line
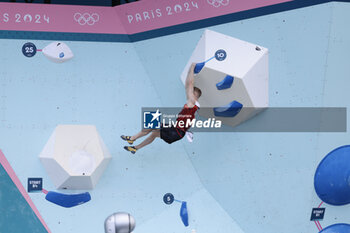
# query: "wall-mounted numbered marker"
220, 55
317, 214
168, 198
29, 49
35, 184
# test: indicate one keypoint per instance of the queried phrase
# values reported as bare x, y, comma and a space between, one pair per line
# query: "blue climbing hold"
184, 213
337, 228
198, 67
229, 110
332, 177
225, 83
61, 55
67, 200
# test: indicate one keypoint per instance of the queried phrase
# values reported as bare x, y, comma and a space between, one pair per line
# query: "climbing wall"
232, 182
19, 213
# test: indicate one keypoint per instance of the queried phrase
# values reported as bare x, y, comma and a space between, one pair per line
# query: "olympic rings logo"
86, 18
218, 3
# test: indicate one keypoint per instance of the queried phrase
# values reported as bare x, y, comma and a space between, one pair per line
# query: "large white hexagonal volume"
75, 157
233, 76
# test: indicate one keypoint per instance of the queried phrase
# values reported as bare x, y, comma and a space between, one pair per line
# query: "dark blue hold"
168, 198
332, 177
337, 228
184, 213
68, 200
198, 67
225, 83
61, 55
229, 110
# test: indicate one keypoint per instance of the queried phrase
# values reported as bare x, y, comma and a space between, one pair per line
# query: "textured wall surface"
233, 182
